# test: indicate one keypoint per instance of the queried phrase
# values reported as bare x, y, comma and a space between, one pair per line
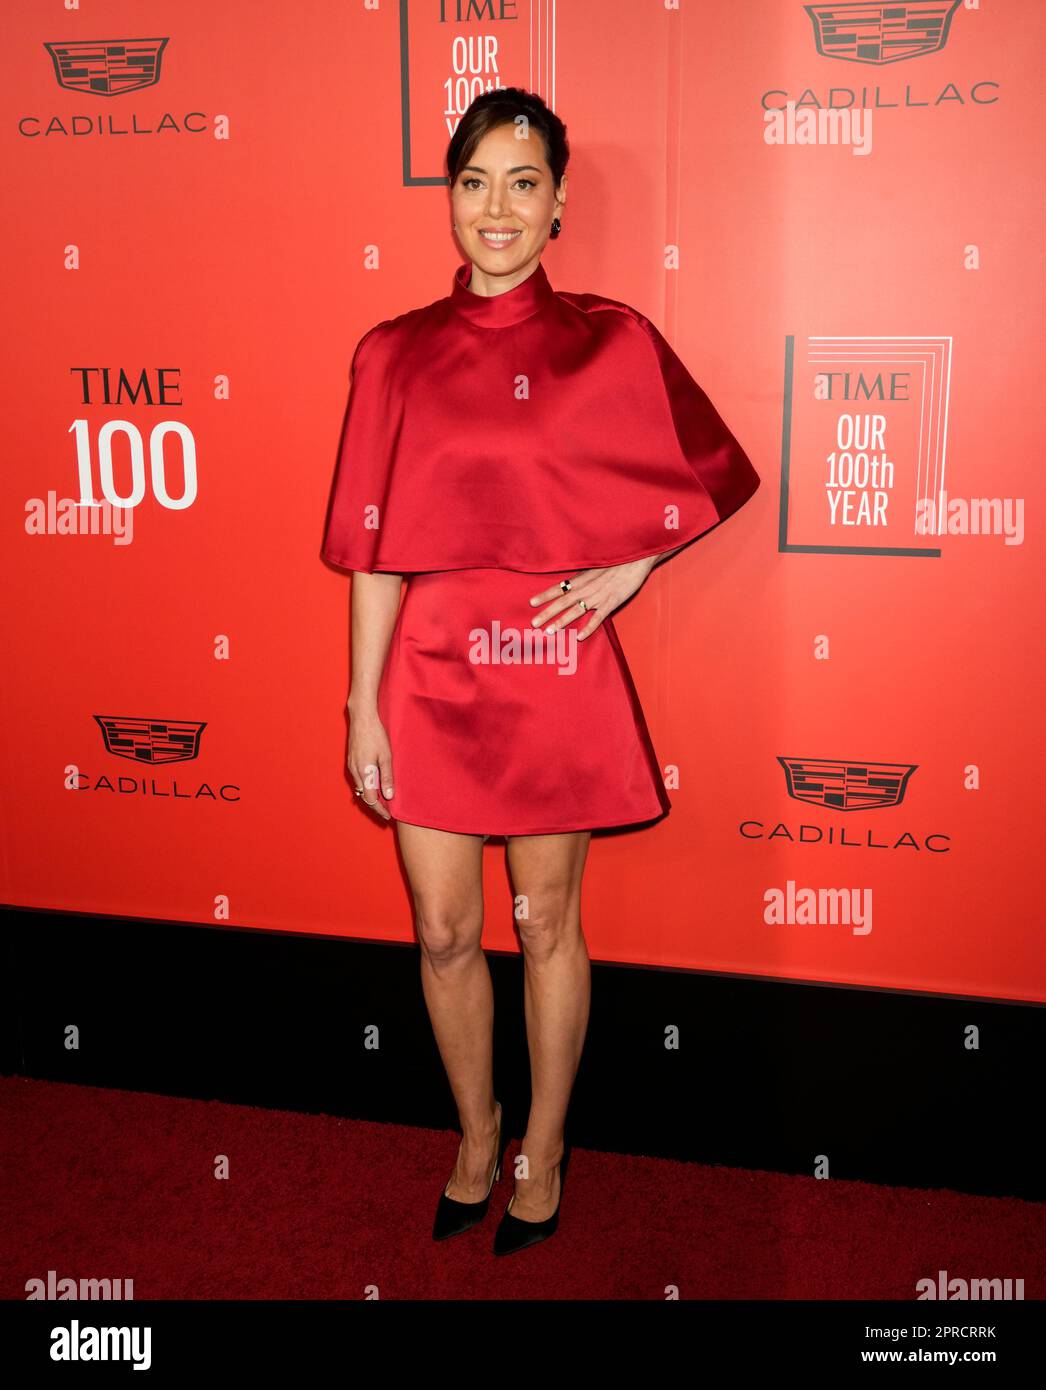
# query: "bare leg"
446, 879
546, 872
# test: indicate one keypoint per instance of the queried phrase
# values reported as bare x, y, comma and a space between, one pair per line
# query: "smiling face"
503, 202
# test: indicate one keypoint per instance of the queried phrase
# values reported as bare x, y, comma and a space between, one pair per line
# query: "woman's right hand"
370, 759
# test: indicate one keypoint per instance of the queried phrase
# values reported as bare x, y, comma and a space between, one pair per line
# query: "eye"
472, 180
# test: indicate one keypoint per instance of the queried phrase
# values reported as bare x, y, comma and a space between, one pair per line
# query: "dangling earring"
556, 228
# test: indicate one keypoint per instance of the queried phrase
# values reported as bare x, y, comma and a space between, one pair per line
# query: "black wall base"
766, 1074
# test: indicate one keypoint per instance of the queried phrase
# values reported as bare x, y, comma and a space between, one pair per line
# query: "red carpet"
100, 1183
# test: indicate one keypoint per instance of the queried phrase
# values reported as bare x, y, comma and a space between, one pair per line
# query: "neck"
483, 283
499, 301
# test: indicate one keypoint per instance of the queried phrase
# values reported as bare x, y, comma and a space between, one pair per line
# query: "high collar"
508, 307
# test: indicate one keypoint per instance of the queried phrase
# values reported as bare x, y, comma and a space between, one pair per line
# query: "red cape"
534, 430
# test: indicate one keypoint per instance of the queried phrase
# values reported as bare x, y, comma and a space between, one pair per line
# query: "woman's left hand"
600, 590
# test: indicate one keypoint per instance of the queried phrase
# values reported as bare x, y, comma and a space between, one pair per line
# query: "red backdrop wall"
216, 201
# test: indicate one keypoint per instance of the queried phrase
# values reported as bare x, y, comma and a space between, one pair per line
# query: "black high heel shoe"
454, 1217
513, 1234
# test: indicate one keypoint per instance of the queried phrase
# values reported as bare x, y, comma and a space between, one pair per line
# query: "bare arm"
656, 560
375, 604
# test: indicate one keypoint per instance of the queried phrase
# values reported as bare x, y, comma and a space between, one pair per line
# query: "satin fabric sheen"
493, 445
533, 430
509, 747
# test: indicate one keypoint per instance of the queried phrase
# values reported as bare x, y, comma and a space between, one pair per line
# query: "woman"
523, 457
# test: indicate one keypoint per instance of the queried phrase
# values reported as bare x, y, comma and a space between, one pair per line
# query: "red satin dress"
493, 446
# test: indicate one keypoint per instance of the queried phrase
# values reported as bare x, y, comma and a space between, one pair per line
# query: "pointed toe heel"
453, 1218
513, 1234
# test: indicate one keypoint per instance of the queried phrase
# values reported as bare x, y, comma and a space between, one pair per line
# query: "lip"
501, 242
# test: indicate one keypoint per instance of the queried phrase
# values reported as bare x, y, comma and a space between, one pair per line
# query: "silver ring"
564, 584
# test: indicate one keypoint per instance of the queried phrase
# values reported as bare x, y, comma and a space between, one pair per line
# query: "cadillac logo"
151, 740
881, 33
107, 67
846, 786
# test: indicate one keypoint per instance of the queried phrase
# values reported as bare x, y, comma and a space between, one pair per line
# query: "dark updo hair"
500, 107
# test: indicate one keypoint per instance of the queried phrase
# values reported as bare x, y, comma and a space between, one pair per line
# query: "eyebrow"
519, 168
